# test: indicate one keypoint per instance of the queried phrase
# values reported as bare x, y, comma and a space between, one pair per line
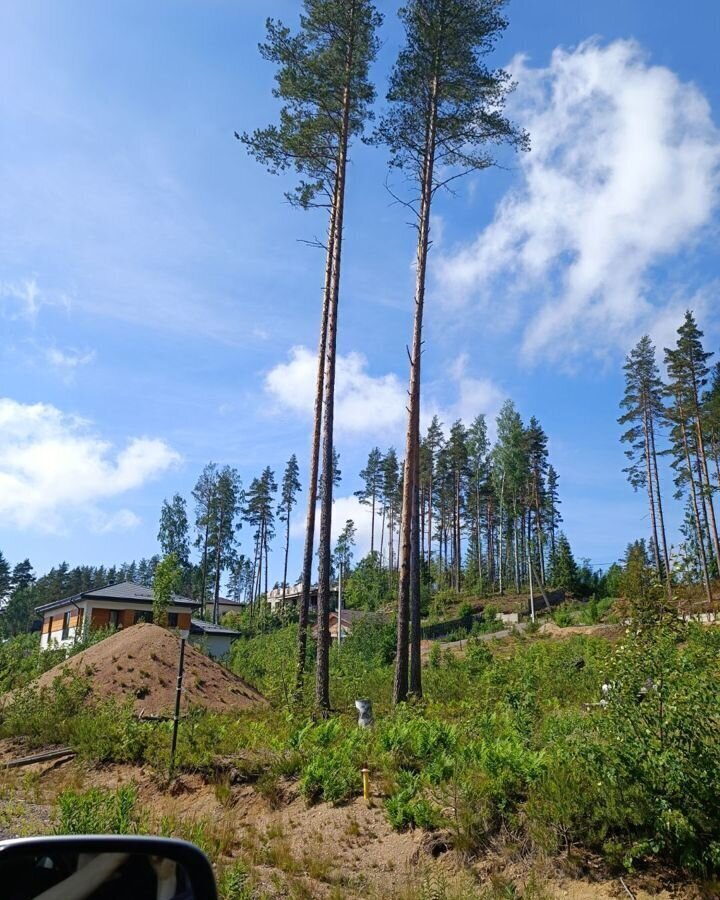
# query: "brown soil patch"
141, 662
608, 631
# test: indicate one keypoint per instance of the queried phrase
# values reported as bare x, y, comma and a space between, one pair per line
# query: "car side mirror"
104, 868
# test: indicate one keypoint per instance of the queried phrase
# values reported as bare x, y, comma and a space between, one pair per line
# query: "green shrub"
235, 882
98, 811
407, 809
333, 758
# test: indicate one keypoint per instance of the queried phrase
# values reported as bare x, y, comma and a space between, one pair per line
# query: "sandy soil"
322, 851
141, 662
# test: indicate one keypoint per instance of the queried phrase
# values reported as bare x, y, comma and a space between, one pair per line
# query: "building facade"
114, 606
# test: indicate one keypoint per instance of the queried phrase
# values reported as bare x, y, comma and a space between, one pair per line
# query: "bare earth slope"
142, 661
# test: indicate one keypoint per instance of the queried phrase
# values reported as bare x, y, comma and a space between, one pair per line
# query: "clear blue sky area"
159, 308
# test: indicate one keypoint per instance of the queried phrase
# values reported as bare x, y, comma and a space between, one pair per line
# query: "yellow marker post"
366, 784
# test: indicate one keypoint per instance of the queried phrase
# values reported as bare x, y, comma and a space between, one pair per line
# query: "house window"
50, 620
172, 620
66, 626
142, 616
114, 619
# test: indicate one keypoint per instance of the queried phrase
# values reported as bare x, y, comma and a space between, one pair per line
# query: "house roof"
200, 626
122, 592
350, 615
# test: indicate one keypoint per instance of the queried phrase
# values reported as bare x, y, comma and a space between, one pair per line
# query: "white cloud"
623, 174
344, 508
55, 470
24, 298
364, 403
474, 396
377, 404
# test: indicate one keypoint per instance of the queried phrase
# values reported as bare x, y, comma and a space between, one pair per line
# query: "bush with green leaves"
98, 811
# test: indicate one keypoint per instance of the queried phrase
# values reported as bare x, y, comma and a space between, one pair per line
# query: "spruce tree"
323, 82
5, 578
446, 110
563, 568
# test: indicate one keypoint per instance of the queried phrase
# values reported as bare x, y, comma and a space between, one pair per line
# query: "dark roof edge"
73, 601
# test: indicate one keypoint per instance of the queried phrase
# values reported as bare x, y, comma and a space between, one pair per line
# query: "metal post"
339, 607
178, 694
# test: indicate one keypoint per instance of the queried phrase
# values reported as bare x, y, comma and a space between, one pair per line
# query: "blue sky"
159, 309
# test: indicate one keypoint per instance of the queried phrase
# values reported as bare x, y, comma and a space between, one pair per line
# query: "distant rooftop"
200, 626
124, 591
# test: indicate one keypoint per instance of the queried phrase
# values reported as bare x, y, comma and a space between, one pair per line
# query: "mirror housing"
193, 862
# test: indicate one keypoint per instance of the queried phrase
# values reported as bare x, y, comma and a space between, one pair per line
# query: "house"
292, 596
213, 639
348, 618
226, 605
118, 605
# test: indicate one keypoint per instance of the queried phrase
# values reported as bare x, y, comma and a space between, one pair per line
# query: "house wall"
52, 627
216, 645
98, 616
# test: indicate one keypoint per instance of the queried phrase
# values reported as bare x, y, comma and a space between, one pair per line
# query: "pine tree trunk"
651, 496
693, 494
304, 602
287, 551
382, 534
372, 522
708, 490
322, 668
216, 604
661, 517
415, 679
203, 599
430, 512
406, 593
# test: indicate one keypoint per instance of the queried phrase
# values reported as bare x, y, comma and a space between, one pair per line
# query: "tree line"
678, 417
21, 590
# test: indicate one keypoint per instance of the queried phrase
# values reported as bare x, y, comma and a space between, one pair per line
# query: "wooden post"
178, 694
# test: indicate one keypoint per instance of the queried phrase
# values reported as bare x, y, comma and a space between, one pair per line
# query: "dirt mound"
142, 661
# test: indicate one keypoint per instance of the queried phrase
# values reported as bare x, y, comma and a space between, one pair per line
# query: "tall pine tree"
446, 109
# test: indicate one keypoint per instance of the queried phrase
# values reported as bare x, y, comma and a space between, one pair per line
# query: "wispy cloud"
69, 359
623, 175
24, 299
